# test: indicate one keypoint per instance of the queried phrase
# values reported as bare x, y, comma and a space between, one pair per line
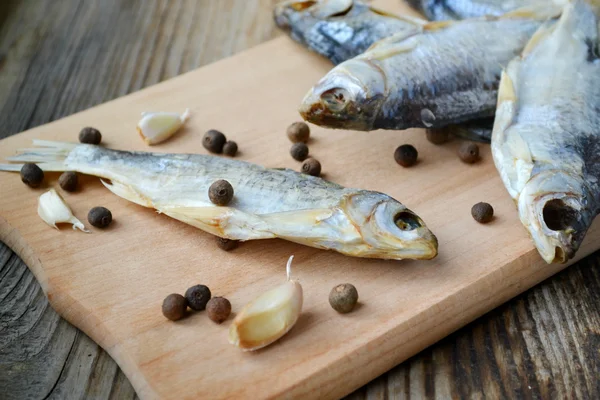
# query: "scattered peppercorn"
197, 297
32, 175
220, 192
68, 181
482, 212
174, 306
299, 151
214, 141
230, 148
406, 155
218, 309
100, 217
343, 298
298, 132
468, 152
311, 167
437, 135
227, 244
90, 135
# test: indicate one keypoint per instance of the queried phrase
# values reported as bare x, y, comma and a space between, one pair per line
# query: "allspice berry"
218, 309
197, 297
68, 181
482, 212
299, 151
468, 152
343, 298
214, 141
174, 306
227, 244
311, 167
437, 135
406, 155
100, 217
220, 192
230, 148
90, 135
32, 175
298, 132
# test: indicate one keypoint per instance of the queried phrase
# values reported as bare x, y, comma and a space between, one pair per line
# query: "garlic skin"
53, 210
156, 127
268, 317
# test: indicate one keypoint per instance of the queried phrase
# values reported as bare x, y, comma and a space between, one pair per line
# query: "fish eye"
335, 99
407, 221
558, 216
302, 5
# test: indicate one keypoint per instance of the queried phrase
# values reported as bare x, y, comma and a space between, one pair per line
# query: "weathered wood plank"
57, 58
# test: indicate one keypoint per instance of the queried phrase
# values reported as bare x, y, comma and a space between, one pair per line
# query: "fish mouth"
332, 108
556, 221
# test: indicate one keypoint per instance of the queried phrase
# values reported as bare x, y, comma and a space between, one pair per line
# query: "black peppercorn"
100, 217
220, 192
90, 135
218, 309
311, 167
230, 148
68, 181
227, 244
32, 175
174, 306
437, 135
298, 132
197, 297
214, 141
343, 298
299, 151
468, 152
406, 155
482, 212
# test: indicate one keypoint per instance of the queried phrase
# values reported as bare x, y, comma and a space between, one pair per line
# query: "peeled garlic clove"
53, 210
268, 317
156, 127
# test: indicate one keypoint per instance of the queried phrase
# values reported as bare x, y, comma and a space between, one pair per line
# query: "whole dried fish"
445, 75
268, 203
442, 10
339, 29
546, 140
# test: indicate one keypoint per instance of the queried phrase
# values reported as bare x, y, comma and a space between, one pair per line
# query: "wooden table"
59, 57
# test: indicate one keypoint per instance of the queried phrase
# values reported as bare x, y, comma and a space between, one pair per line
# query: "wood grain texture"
546, 340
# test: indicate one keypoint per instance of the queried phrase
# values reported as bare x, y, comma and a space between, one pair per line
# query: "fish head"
388, 229
557, 209
350, 96
294, 14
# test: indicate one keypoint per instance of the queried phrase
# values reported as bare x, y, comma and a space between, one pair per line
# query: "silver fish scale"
452, 72
257, 189
441, 10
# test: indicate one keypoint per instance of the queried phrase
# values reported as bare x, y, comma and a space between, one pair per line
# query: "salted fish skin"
442, 10
546, 137
268, 203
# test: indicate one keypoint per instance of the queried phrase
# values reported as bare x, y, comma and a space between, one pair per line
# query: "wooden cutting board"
111, 283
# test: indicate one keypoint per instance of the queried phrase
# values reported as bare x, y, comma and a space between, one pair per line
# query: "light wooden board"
111, 283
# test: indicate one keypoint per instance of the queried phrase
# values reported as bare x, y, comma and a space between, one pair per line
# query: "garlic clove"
156, 127
268, 317
53, 210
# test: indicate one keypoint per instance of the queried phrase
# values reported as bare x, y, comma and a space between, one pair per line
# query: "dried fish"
442, 10
339, 29
445, 75
268, 203
546, 137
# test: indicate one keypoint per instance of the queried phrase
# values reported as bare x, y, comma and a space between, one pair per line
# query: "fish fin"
534, 11
506, 90
127, 192
542, 33
328, 9
225, 222
50, 156
438, 25
407, 18
391, 46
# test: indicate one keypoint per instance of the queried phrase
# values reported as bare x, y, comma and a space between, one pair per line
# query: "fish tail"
49, 156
